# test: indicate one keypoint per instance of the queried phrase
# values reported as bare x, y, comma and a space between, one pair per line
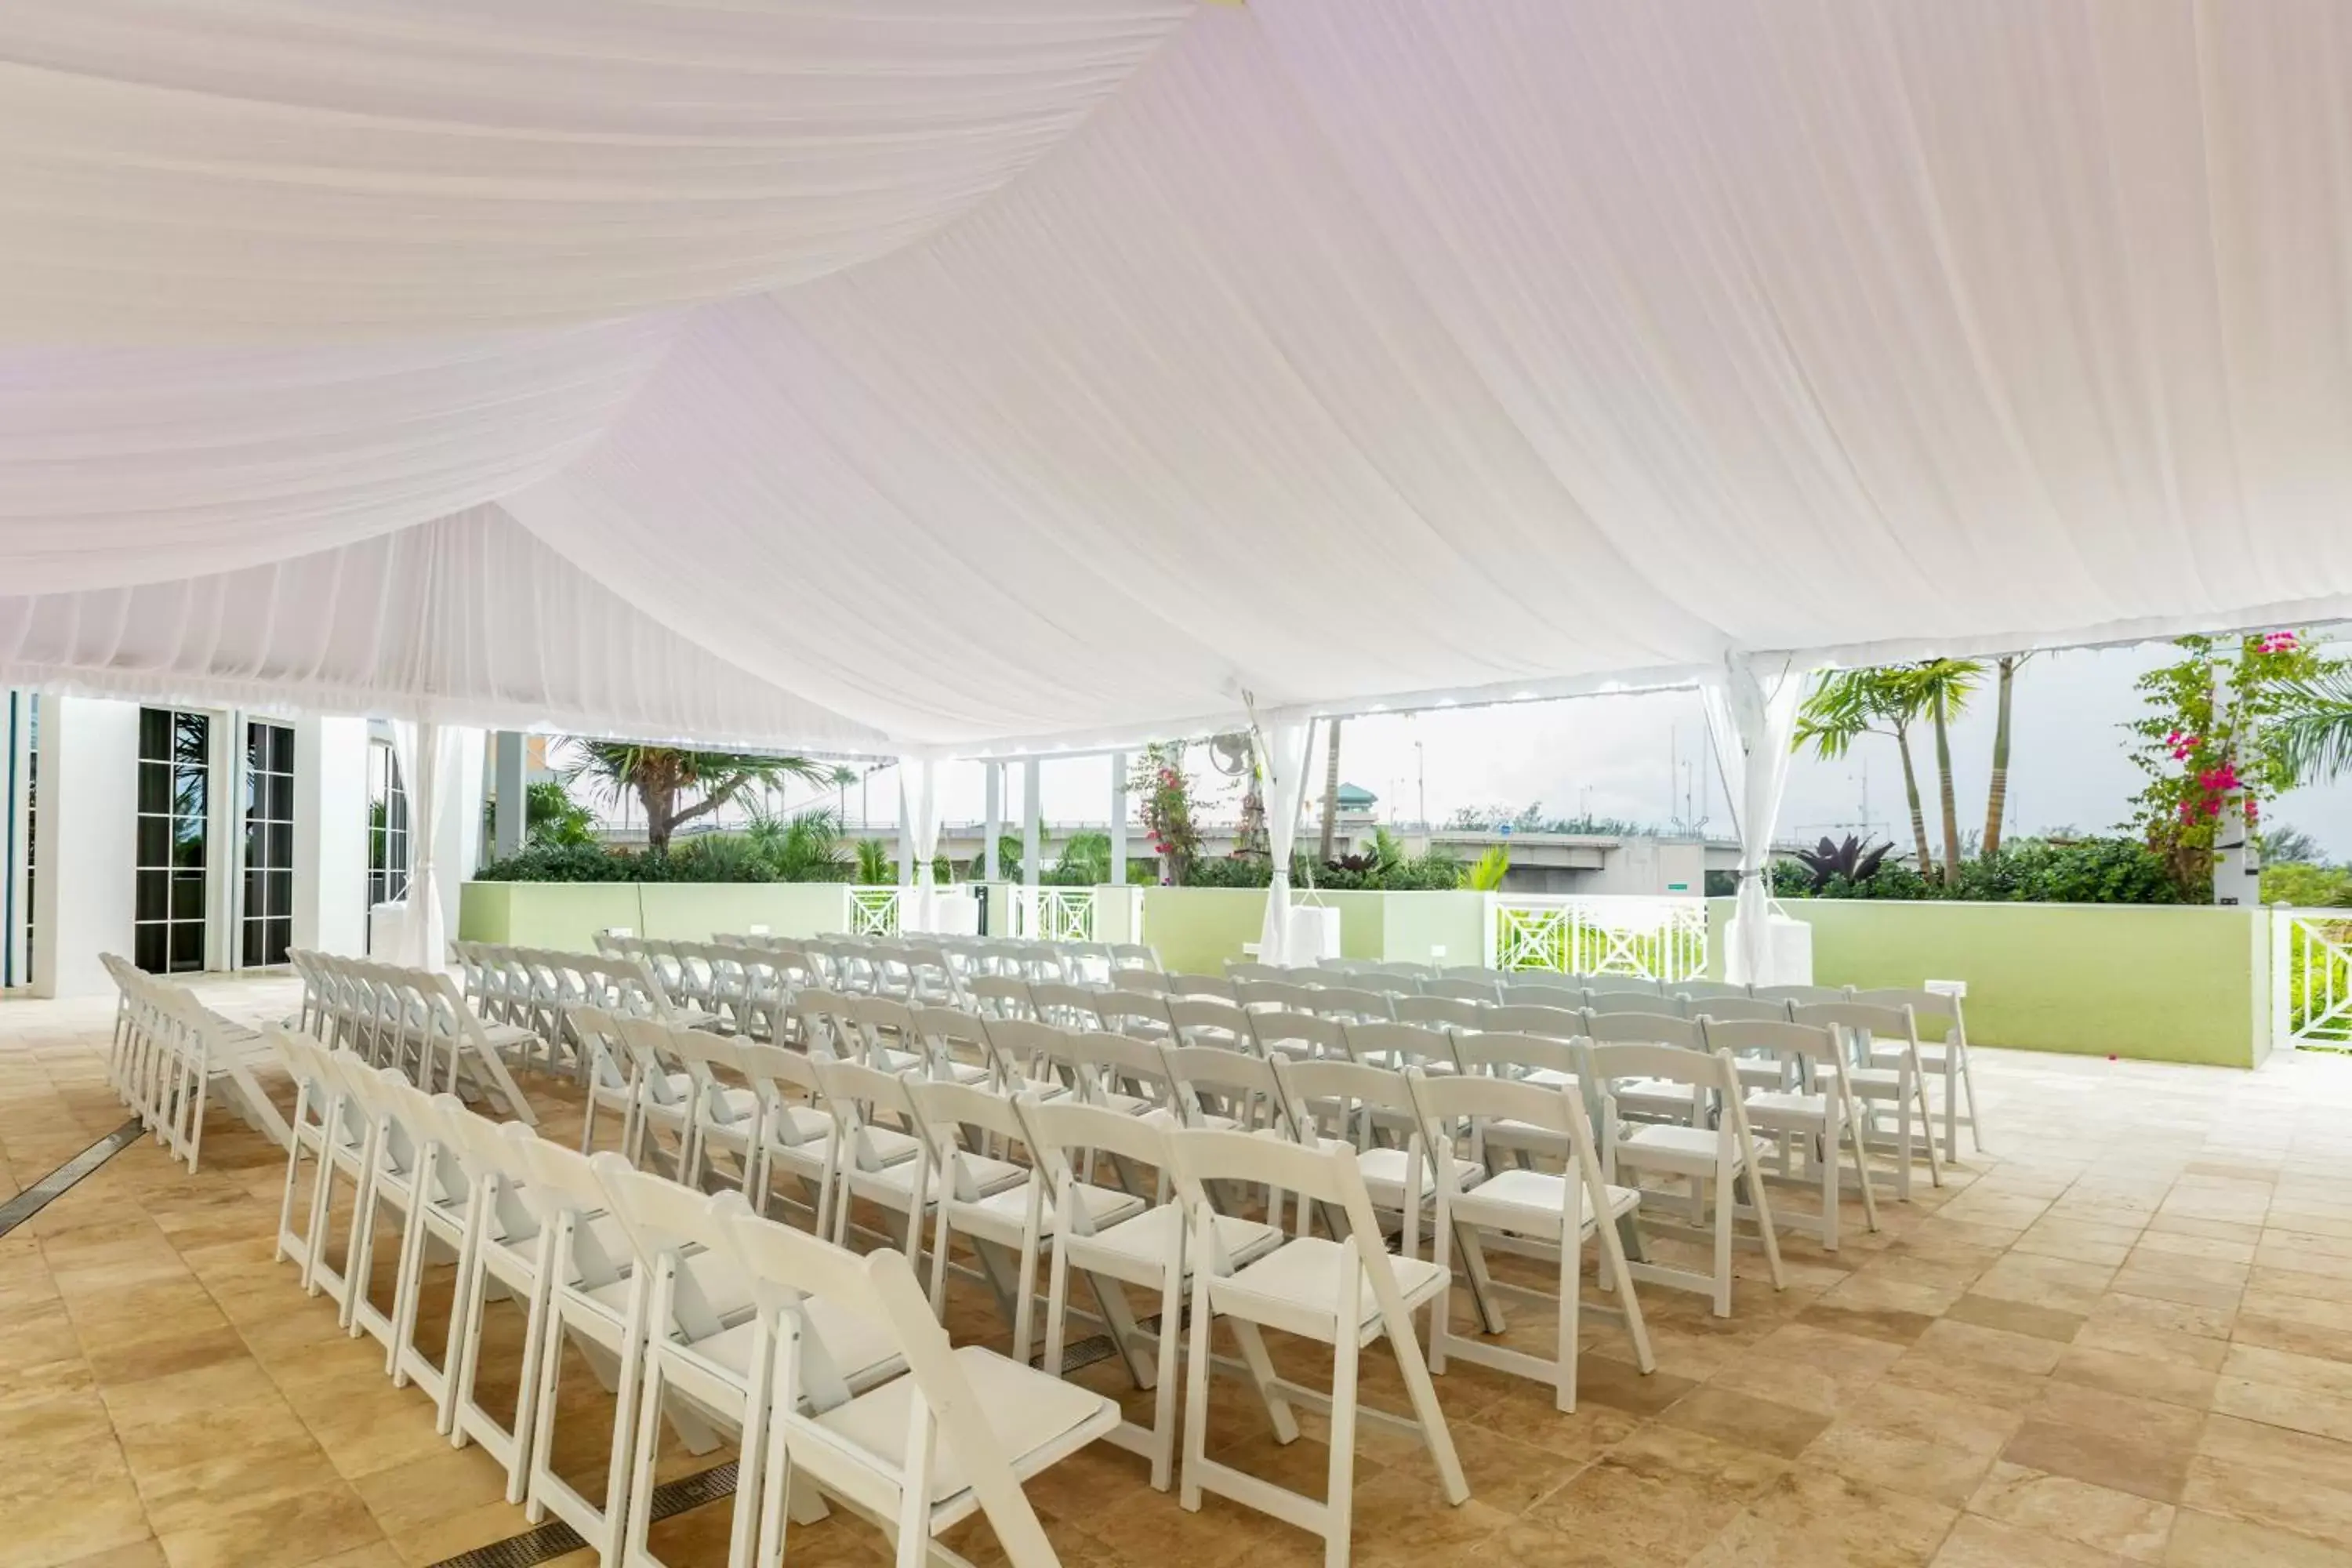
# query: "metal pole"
1118, 819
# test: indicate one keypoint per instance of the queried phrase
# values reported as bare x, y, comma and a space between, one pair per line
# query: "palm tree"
1997, 792
665, 779
1331, 789
1851, 703
2313, 724
1943, 687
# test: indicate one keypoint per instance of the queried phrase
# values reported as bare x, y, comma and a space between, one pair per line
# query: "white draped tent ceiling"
949, 376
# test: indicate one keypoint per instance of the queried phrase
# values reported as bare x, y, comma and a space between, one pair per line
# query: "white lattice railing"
1658, 939
1054, 914
2311, 978
874, 911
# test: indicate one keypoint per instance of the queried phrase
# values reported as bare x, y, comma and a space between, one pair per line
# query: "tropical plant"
1847, 858
804, 847
2283, 845
2312, 729
874, 867
1387, 849
1996, 790
1167, 808
1008, 858
1085, 861
1485, 875
677, 786
1848, 704
1943, 687
2203, 756
2307, 887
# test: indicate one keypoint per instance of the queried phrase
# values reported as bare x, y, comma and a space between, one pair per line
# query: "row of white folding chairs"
171, 1056
902, 1142
837, 1381
723, 983
530, 990
709, 1096
1882, 1069
415, 1020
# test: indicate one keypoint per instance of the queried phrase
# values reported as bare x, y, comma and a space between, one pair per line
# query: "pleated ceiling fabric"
274, 170
1030, 373
466, 620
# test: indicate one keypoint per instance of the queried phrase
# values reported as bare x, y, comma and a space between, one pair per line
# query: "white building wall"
86, 889
331, 835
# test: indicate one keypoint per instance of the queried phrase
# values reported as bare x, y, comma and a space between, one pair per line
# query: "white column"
85, 888
2236, 868
513, 793
1030, 839
15, 851
331, 824
1118, 819
994, 773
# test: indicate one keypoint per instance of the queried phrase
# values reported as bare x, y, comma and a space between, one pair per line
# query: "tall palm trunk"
1911, 793
1997, 796
1944, 791
1330, 790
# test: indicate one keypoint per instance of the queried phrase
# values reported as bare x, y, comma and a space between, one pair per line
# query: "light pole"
1421, 783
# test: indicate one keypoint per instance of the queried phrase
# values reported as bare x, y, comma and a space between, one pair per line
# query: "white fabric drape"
470, 619
1562, 345
1282, 758
378, 166
127, 466
919, 777
434, 760
1752, 716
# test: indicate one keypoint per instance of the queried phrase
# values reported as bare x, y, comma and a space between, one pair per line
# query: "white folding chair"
918, 1455
1145, 1248
1720, 1157
699, 1349
1941, 1043
1881, 1061
995, 1217
333, 1129
1347, 1292
1812, 1113
1563, 1211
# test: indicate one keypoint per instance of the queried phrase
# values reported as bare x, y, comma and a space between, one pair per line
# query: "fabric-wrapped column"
1282, 758
919, 811
1754, 726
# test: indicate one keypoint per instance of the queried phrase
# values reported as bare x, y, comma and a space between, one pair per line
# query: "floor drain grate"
39, 1195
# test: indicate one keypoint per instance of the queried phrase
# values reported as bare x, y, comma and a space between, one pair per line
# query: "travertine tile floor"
2124, 1336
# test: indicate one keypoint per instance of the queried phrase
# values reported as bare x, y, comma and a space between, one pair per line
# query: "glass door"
174, 840
267, 916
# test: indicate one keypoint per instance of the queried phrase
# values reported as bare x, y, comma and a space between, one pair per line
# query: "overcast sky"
2069, 763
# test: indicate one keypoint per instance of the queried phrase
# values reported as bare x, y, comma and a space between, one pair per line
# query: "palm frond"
2312, 726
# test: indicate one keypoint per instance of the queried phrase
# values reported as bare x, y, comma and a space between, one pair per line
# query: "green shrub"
2307, 885
563, 863
1230, 871
2030, 870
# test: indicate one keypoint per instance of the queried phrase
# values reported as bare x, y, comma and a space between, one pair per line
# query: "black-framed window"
174, 840
387, 827
269, 913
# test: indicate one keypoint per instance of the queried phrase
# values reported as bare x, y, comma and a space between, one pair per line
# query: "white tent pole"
994, 773
1118, 819
1031, 851
905, 826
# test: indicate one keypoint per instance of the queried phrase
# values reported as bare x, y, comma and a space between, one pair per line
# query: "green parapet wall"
2152, 981
566, 916
1196, 929
1199, 930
